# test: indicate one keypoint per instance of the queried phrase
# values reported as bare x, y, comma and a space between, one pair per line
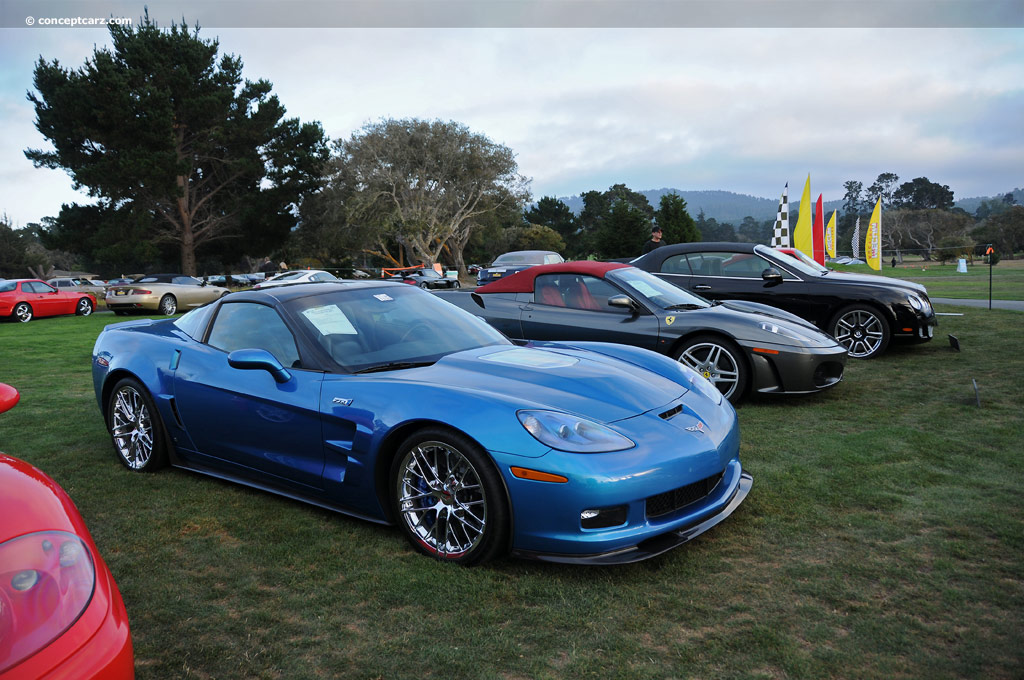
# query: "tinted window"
8, 286
676, 264
186, 281
245, 325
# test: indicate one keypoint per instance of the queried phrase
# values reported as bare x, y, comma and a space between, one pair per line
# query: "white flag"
856, 240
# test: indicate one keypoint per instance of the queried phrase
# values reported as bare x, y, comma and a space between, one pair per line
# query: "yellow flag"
830, 235
873, 242
803, 238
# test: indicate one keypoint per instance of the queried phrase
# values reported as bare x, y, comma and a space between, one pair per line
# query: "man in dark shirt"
655, 241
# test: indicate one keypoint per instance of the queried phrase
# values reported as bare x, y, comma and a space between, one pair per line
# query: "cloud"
738, 109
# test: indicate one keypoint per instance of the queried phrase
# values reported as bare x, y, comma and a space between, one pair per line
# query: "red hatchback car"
24, 299
61, 614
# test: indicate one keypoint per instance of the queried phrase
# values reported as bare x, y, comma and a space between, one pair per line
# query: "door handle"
702, 287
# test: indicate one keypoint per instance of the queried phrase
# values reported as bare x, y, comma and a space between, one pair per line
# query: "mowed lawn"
944, 281
883, 538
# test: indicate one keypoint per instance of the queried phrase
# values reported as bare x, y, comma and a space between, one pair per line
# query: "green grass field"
943, 280
883, 538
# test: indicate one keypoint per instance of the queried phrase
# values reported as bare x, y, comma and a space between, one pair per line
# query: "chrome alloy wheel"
714, 362
441, 499
860, 332
84, 307
132, 428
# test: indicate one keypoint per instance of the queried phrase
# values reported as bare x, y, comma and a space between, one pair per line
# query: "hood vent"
671, 412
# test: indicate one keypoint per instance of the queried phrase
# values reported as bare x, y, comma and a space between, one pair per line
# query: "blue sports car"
379, 400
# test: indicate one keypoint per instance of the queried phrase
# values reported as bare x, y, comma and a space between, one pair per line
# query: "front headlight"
566, 432
919, 304
784, 332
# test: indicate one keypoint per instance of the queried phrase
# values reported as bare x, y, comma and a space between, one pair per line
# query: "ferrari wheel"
719, 360
135, 427
448, 497
22, 312
84, 307
861, 330
168, 305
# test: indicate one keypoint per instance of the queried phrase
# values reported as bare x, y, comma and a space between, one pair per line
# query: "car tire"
135, 427
719, 360
448, 497
423, 285
862, 330
456, 284
168, 305
22, 312
84, 307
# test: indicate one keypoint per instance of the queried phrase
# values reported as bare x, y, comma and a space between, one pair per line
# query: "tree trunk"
188, 252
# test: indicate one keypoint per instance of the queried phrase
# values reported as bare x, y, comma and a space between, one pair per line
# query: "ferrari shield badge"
669, 320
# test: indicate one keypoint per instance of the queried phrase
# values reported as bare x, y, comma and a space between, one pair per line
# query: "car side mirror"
771, 276
623, 302
259, 360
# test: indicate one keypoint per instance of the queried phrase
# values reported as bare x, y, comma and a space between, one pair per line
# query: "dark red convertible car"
24, 299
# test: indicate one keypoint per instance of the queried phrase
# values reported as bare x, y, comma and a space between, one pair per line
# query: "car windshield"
288, 276
520, 258
820, 269
790, 262
660, 293
389, 327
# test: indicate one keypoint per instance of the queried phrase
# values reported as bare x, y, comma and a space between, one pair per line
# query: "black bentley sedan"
863, 312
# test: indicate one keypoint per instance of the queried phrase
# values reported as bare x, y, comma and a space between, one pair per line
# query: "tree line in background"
193, 168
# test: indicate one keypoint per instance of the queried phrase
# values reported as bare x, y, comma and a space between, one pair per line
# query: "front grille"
670, 501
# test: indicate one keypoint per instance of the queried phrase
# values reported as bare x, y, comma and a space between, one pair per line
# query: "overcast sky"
734, 107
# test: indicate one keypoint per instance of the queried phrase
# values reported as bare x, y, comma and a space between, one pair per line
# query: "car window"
185, 281
8, 286
676, 264
324, 276
575, 291
247, 325
38, 287
553, 258
661, 293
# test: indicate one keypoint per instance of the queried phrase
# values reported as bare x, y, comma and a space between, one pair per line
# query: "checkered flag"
780, 235
856, 240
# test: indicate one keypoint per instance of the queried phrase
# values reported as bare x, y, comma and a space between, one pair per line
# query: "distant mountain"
726, 206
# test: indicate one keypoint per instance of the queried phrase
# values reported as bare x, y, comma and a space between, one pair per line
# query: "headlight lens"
566, 432
783, 331
920, 304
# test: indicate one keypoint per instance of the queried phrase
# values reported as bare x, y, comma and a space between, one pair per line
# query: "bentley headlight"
921, 305
566, 432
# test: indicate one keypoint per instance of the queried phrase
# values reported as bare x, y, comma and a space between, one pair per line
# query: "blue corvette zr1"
379, 400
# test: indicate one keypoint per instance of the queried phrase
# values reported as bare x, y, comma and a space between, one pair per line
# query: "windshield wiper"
394, 366
686, 305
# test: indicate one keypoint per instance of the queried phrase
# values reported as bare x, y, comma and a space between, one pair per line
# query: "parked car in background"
238, 280
96, 289
377, 399
297, 276
741, 347
61, 614
427, 278
24, 299
516, 261
119, 282
863, 312
163, 293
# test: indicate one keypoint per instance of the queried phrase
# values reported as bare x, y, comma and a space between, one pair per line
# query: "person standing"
654, 242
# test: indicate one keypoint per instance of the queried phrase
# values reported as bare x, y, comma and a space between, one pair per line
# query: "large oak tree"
158, 124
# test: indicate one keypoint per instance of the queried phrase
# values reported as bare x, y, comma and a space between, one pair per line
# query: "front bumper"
784, 369
655, 545
914, 327
683, 477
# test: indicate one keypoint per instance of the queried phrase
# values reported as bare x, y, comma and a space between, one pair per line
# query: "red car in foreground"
24, 299
61, 614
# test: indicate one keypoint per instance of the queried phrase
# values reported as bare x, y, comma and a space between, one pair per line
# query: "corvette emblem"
669, 320
698, 428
